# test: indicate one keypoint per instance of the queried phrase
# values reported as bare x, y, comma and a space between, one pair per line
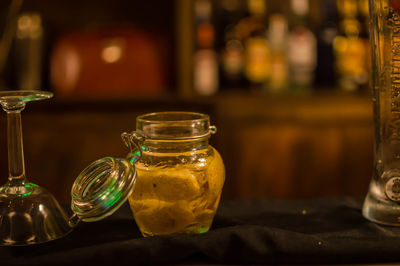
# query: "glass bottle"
325, 73
252, 31
29, 51
277, 37
302, 48
205, 59
230, 45
350, 48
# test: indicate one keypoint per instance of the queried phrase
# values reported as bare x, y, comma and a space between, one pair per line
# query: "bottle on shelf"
325, 73
351, 49
232, 63
28, 45
205, 59
268, 46
277, 37
252, 30
230, 45
302, 48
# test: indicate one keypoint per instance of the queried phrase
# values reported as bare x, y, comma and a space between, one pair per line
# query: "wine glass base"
378, 208
30, 215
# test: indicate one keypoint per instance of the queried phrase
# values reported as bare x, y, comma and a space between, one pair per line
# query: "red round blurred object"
111, 61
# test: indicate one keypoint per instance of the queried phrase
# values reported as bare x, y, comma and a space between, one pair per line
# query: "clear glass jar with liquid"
179, 175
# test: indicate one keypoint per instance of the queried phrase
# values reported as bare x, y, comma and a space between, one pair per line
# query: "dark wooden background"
272, 147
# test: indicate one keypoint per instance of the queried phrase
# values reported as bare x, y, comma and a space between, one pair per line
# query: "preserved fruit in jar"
179, 180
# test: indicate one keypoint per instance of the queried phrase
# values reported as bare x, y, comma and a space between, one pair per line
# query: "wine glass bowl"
29, 214
30, 218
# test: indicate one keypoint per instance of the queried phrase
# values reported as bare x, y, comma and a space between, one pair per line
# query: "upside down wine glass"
28, 213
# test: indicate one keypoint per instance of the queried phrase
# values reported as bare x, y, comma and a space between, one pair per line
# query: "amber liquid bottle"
351, 49
257, 50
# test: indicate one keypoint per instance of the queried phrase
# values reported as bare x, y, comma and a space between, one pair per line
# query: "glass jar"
179, 175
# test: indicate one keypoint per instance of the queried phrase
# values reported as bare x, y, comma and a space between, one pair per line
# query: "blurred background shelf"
187, 47
285, 82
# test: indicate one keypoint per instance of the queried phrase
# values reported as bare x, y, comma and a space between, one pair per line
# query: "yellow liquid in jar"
175, 200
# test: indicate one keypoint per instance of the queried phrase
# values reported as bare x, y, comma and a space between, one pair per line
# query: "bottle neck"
175, 146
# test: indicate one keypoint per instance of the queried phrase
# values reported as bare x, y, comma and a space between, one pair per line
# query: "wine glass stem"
16, 164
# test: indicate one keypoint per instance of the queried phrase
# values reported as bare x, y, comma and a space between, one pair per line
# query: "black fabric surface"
319, 231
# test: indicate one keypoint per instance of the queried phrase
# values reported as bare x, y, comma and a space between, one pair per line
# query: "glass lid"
102, 188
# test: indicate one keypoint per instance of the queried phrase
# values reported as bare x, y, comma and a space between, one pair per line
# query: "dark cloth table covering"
318, 231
